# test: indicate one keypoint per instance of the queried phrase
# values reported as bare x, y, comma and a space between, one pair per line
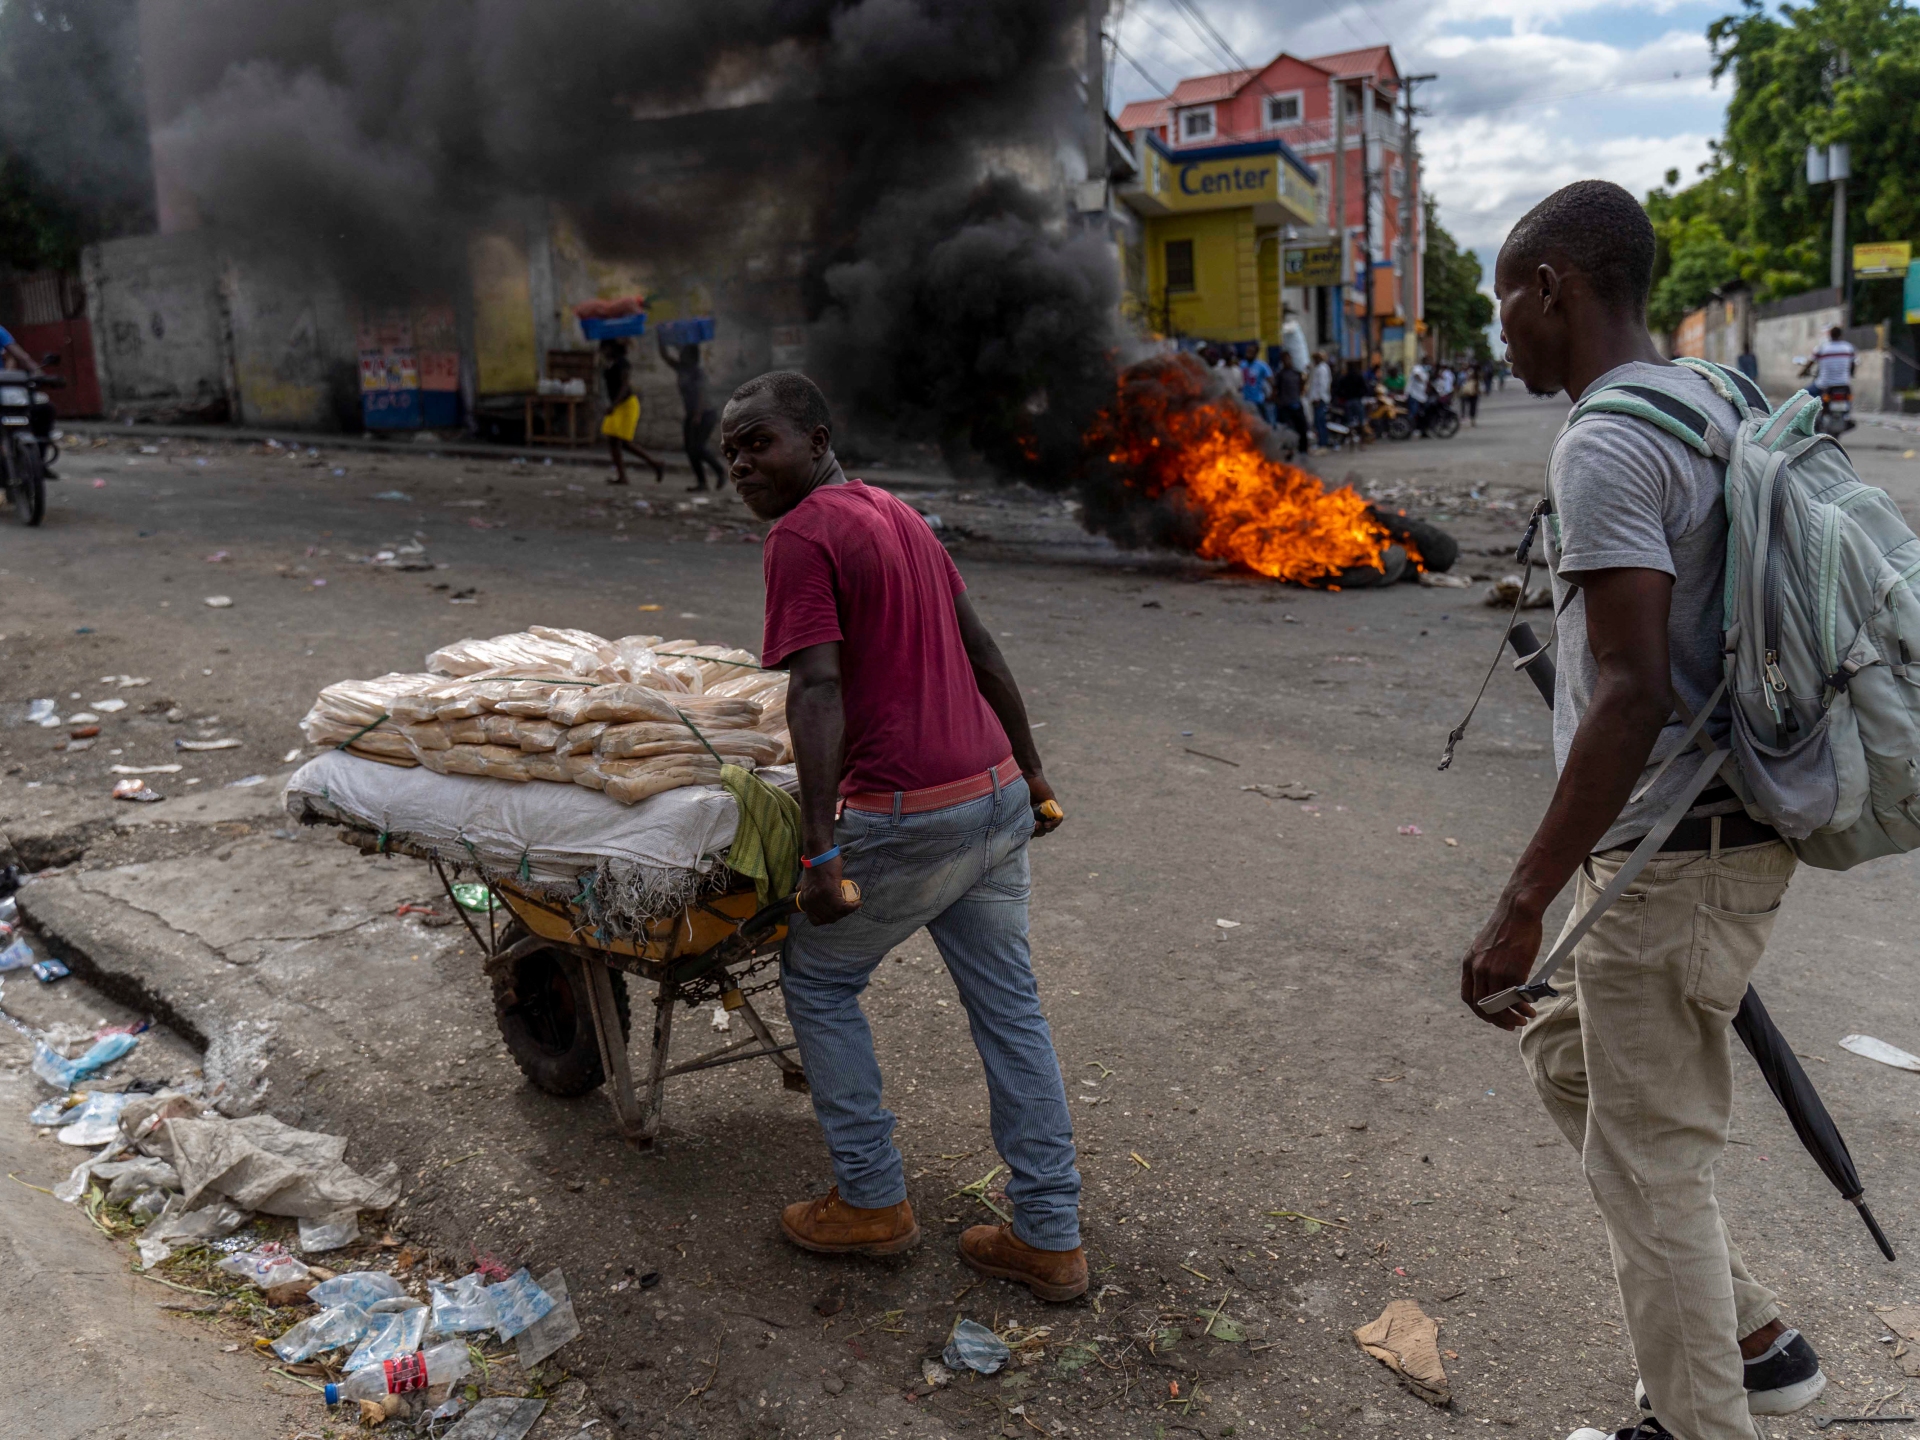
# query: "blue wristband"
822, 858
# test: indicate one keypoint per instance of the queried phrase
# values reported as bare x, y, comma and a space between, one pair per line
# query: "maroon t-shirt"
853, 564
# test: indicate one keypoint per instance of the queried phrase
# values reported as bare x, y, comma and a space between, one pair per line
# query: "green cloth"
766, 842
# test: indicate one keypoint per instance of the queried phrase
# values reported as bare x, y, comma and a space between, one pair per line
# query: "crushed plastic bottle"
57, 1111
54, 1068
356, 1287
517, 1303
461, 1307
389, 1337
332, 1328
975, 1347
417, 1371
267, 1266
96, 1121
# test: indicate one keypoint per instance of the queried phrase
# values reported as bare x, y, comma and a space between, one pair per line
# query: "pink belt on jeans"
934, 797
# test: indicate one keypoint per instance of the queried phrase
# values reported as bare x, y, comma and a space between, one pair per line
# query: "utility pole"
1366, 204
1412, 290
1340, 237
1096, 90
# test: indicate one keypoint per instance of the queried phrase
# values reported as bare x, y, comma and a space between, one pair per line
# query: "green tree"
1456, 311
1813, 74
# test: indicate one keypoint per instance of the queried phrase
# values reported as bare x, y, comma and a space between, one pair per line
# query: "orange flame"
1165, 434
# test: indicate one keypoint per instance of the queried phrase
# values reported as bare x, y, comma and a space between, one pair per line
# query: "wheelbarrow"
560, 991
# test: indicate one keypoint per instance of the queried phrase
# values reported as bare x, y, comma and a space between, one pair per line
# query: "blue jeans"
962, 873
1321, 436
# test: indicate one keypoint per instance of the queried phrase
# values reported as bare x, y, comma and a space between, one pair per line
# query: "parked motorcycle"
1443, 421
27, 448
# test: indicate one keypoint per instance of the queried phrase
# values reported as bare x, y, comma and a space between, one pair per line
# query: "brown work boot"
830, 1226
1050, 1274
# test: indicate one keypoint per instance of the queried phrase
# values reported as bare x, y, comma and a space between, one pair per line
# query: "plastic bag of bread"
750, 748
526, 654
350, 705
383, 742
578, 739
429, 735
546, 766
497, 762
630, 782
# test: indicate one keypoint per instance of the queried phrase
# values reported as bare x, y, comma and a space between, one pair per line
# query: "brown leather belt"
934, 797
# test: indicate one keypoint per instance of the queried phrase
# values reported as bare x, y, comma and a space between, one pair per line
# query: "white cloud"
1514, 115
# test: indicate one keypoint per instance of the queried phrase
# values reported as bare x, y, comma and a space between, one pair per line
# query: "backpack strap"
1733, 386
1656, 407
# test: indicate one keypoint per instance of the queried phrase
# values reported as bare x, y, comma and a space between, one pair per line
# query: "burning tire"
1435, 547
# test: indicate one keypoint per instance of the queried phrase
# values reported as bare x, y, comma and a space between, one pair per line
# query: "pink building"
1292, 100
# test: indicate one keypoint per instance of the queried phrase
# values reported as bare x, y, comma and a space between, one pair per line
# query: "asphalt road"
1309, 1058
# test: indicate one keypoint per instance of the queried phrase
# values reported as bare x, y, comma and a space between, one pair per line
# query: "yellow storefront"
1211, 227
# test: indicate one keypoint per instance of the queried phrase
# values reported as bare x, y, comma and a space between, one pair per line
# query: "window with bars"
1197, 124
1283, 109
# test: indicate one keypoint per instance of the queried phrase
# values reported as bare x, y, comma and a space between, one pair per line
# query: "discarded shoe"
1648, 1429
1050, 1274
1784, 1380
828, 1225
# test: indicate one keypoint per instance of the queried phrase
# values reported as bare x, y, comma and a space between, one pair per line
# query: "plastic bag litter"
130, 1177
1869, 1048
396, 1305
356, 1287
54, 1068
501, 1417
517, 1303
96, 1121
80, 1178
56, 1111
463, 1306
17, 956
975, 1347
319, 1234
147, 1204
268, 1266
332, 1328
261, 1164
552, 1330
178, 1223
389, 1337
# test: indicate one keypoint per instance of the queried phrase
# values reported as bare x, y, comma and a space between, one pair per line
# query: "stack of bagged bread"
631, 717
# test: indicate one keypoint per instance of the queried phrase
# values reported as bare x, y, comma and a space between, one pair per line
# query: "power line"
1181, 45
1568, 95
1141, 71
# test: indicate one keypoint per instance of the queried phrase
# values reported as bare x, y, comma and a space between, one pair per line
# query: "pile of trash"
630, 717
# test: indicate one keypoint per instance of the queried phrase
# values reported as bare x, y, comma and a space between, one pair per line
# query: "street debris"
335, 1231
135, 790
1507, 587
1904, 1322
144, 769
259, 1163
44, 713
974, 1347
61, 1073
935, 1374
1227, 924
1434, 580
1406, 1340
219, 602
1863, 1045
49, 970
223, 744
1287, 790
397, 496
1413, 830
499, 1418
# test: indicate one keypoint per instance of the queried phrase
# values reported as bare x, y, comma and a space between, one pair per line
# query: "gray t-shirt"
1627, 495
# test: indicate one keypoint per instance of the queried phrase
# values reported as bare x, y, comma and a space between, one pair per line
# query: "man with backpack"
1631, 1057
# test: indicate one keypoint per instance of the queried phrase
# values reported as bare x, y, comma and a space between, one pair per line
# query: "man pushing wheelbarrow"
920, 782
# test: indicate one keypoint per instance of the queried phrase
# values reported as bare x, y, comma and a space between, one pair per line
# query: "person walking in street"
1417, 395
1350, 394
698, 415
1256, 384
1631, 1060
1469, 393
920, 781
623, 412
1286, 397
1319, 396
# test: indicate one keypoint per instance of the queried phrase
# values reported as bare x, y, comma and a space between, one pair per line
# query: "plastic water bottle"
417, 1371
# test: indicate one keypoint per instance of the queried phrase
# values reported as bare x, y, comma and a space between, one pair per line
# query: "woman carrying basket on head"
623, 412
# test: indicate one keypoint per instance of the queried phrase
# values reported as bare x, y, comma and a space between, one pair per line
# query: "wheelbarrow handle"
762, 922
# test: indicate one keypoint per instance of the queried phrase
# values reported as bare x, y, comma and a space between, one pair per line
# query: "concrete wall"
1790, 327
1224, 303
292, 346
160, 326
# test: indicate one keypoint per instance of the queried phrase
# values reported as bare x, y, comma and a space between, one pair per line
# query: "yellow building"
1211, 222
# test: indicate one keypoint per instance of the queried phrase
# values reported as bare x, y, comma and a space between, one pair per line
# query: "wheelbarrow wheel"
547, 1021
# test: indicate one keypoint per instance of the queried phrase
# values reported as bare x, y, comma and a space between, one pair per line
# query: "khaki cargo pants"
1634, 1063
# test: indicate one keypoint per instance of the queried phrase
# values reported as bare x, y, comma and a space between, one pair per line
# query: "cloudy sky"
1531, 94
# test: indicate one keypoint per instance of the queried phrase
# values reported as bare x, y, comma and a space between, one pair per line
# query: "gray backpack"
1822, 624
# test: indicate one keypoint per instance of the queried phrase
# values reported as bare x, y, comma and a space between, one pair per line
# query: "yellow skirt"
623, 419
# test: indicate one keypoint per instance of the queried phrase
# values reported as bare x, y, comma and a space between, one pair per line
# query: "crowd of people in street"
1334, 403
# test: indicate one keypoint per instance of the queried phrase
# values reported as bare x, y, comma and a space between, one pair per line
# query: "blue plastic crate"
623, 328
695, 331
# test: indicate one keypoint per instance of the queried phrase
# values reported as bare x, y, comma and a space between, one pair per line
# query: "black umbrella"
1785, 1075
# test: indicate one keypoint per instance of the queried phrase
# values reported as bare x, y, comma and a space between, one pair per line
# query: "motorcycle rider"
1832, 365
